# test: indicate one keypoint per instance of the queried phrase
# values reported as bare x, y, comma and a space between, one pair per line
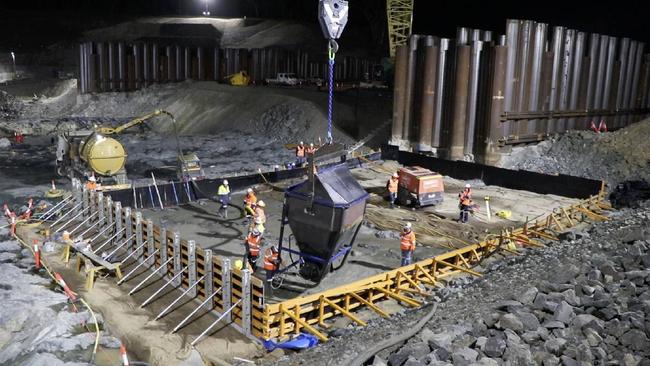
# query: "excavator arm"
112, 131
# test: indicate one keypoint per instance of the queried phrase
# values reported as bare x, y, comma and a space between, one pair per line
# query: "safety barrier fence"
410, 284
233, 294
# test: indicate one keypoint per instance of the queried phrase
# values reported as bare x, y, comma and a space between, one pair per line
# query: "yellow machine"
239, 79
93, 152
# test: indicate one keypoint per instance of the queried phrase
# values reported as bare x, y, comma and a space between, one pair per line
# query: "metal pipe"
155, 62
523, 71
69, 221
487, 36
512, 31
629, 74
111, 66
645, 86
200, 62
554, 94
536, 73
146, 64
179, 297
145, 261
133, 252
102, 231
410, 86
594, 43
137, 287
636, 78
620, 94
496, 128
460, 102
576, 76
121, 66
171, 63
439, 93
565, 76
472, 98
137, 61
179, 64
207, 298
187, 64
476, 36
102, 66
47, 214
196, 340
428, 95
83, 222
109, 239
607, 101
66, 214
462, 35
82, 69
399, 95
120, 246
147, 301
215, 64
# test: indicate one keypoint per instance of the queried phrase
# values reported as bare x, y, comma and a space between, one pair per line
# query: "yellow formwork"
406, 284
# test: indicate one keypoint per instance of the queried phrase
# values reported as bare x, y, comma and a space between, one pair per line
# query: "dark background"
39, 22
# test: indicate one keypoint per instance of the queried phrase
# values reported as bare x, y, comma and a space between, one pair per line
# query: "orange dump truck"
419, 187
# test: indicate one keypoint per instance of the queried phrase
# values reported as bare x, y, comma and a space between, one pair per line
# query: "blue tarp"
302, 341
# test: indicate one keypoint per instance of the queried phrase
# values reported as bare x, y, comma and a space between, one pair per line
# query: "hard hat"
395, 175
407, 226
249, 190
311, 144
225, 182
468, 186
255, 232
92, 178
239, 264
261, 203
274, 248
302, 143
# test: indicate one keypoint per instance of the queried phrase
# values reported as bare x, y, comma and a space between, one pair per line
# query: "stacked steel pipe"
468, 98
117, 66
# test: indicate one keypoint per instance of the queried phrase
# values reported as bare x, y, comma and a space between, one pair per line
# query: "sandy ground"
377, 246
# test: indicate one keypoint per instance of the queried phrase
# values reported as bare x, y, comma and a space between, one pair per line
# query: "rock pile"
614, 157
594, 313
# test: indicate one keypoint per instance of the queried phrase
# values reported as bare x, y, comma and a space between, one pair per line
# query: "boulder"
510, 321
528, 320
494, 347
528, 296
563, 313
635, 339
555, 346
464, 356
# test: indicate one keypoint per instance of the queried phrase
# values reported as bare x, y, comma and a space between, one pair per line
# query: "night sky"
437, 17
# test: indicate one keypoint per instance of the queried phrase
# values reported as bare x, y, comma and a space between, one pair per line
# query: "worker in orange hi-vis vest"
407, 244
392, 186
253, 244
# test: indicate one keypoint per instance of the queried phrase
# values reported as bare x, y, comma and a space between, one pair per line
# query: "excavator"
93, 152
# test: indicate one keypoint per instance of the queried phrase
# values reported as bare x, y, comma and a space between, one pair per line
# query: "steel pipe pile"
485, 91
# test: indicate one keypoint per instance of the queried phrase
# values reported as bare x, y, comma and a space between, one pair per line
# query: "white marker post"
487, 208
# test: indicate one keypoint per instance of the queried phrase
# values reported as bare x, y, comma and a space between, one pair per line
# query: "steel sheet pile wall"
468, 97
116, 66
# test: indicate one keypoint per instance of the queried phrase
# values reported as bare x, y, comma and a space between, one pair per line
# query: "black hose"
410, 332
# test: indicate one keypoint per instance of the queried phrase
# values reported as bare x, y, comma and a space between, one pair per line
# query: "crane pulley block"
332, 16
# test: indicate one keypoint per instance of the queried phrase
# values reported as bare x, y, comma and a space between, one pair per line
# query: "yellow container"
105, 155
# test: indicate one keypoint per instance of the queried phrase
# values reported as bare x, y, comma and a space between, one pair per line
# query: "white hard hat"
468, 186
225, 182
256, 232
407, 226
92, 178
311, 144
395, 175
249, 190
302, 143
261, 203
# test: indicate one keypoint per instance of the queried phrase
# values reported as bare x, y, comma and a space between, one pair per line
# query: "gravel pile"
10, 107
614, 157
582, 301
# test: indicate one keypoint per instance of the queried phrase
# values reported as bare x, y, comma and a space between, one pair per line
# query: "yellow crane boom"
400, 19
115, 130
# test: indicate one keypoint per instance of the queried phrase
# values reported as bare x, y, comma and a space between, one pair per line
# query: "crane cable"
332, 47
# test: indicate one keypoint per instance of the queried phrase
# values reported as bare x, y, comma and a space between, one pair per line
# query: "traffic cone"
602, 126
8, 212
37, 255
125, 358
593, 127
28, 214
66, 289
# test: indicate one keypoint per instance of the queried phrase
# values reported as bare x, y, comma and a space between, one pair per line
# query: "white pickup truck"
284, 78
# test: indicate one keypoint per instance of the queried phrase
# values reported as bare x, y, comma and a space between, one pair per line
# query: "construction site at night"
322, 183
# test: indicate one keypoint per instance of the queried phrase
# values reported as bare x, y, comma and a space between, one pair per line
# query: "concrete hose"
410, 332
